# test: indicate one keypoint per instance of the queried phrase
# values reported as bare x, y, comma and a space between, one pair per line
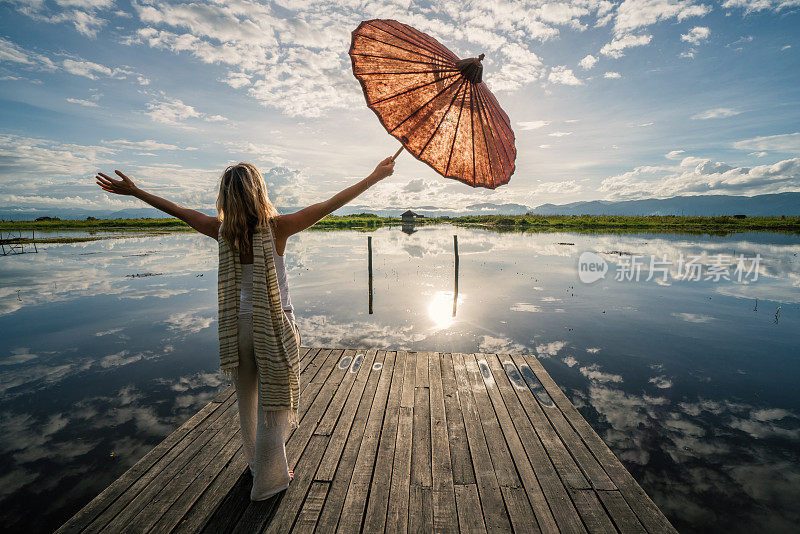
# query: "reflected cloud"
693, 317
493, 344
550, 349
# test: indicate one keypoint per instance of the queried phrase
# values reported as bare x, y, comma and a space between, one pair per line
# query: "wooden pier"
391, 441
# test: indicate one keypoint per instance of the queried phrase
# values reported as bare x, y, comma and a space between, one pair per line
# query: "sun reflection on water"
440, 309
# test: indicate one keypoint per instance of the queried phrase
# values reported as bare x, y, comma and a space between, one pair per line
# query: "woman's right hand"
385, 168
125, 186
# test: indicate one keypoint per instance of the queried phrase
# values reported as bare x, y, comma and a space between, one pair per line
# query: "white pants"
263, 435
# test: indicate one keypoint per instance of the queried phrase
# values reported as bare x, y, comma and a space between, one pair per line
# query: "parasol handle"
404, 139
398, 152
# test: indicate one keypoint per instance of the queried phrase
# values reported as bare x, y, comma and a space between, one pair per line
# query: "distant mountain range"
699, 205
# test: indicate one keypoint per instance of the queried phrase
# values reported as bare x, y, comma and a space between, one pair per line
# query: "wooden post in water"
455, 290
369, 257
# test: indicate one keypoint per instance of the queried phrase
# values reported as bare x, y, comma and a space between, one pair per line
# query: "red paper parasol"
434, 103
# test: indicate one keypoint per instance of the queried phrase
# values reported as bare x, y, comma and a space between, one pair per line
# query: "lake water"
108, 346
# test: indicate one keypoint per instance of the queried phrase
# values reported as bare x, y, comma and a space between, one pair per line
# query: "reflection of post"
369, 255
455, 290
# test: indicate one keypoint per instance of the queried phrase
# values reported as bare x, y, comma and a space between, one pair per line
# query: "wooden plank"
420, 510
421, 380
445, 518
331, 417
330, 459
306, 355
499, 452
300, 436
513, 430
139, 493
583, 457
331, 358
145, 510
293, 497
592, 511
645, 509
215, 461
376, 392
357, 494
470, 517
312, 506
459, 448
420, 504
112, 493
399, 490
220, 506
519, 510
378, 502
421, 443
621, 514
558, 499
567, 469
258, 514
493, 507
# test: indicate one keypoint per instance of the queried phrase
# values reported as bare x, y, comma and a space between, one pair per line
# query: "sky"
608, 100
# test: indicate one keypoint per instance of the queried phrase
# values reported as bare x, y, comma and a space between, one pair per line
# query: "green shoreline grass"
367, 221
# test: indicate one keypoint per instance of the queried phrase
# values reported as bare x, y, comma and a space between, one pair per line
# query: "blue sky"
608, 100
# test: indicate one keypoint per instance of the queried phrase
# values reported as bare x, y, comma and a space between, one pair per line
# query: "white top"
246, 299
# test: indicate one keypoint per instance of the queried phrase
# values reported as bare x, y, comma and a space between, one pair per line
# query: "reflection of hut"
409, 216
408, 228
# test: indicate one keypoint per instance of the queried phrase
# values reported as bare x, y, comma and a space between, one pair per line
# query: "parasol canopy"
434, 103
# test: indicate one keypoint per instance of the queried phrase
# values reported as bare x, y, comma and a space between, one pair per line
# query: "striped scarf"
276, 348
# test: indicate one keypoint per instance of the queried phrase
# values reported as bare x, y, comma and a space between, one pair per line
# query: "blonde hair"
243, 205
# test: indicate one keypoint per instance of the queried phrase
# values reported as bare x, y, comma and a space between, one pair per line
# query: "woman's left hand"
118, 187
385, 168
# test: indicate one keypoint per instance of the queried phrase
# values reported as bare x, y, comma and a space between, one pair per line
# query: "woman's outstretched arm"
291, 223
205, 224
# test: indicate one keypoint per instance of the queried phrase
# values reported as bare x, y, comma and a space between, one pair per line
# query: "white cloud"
588, 62
294, 60
615, 47
750, 6
147, 144
613, 76
634, 14
35, 156
776, 143
174, 112
674, 154
563, 187
559, 134
694, 176
84, 103
564, 76
11, 52
532, 125
716, 113
696, 35
82, 14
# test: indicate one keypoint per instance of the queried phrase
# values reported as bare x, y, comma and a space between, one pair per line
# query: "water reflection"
692, 384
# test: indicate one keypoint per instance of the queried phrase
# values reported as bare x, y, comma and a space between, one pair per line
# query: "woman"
247, 220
